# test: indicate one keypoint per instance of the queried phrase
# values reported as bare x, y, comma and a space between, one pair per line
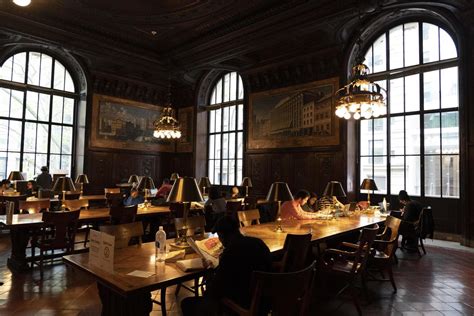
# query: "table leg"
114, 304
19, 240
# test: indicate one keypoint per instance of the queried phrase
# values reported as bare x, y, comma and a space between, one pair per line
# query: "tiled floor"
440, 283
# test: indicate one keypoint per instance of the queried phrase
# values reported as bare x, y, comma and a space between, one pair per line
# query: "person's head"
226, 228
166, 181
134, 192
235, 191
403, 197
5, 184
44, 169
214, 193
313, 198
301, 197
30, 185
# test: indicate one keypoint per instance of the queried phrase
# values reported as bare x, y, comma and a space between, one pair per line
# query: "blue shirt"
129, 201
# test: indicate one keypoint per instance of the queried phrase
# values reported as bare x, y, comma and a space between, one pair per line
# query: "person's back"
164, 190
44, 180
412, 211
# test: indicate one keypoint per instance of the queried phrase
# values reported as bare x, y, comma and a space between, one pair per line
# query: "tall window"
226, 124
416, 145
37, 106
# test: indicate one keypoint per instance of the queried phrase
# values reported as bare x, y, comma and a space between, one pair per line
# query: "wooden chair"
112, 190
74, 205
350, 264
250, 203
34, 206
385, 246
283, 293
122, 214
296, 250
247, 218
57, 232
124, 233
114, 199
418, 230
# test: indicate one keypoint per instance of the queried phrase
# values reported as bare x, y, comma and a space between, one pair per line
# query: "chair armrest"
350, 245
337, 252
234, 307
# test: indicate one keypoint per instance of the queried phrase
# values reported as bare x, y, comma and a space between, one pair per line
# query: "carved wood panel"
259, 171
303, 170
99, 169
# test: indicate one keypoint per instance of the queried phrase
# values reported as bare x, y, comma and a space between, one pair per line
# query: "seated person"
215, 200
329, 202
6, 186
134, 198
410, 214
31, 188
292, 209
234, 193
44, 179
241, 256
312, 204
165, 189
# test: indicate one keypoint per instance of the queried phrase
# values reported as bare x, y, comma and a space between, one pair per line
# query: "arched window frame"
220, 109
56, 95
421, 69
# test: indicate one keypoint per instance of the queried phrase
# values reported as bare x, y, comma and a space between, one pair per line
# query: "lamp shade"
133, 179
246, 182
205, 183
334, 188
185, 190
64, 184
15, 175
146, 183
368, 184
279, 191
174, 176
82, 178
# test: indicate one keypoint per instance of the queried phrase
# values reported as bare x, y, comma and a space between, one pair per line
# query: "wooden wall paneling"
328, 170
145, 165
303, 172
100, 170
124, 165
279, 164
259, 171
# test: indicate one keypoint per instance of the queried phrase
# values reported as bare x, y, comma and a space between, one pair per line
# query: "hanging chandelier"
167, 127
361, 97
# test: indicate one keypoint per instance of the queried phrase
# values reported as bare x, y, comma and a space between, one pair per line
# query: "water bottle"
160, 245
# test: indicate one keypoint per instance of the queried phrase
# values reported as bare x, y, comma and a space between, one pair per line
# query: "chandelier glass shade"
361, 98
167, 127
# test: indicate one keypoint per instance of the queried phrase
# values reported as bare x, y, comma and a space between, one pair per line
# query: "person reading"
134, 198
410, 213
312, 204
293, 209
165, 189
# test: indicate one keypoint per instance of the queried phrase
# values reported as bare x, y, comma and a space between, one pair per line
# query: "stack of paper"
190, 264
174, 256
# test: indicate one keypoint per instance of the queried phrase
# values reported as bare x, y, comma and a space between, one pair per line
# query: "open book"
208, 249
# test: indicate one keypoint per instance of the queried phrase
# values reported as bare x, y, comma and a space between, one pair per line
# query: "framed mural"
125, 124
186, 119
297, 116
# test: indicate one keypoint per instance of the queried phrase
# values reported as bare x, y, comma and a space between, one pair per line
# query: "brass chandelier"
361, 97
167, 127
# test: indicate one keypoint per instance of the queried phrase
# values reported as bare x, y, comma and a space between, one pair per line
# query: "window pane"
412, 93
239, 171
380, 56
232, 117
225, 119
233, 86
4, 138
67, 140
432, 133
241, 88
34, 68
59, 72
450, 89
218, 120
219, 92
212, 121
57, 109
30, 137
13, 162
366, 168
412, 140
226, 87
451, 176
69, 84
368, 59
5, 102
43, 107
46, 70
232, 146
217, 172
431, 90
430, 43
66, 163
448, 49
42, 138
3, 165
54, 163
41, 160
380, 136
31, 105
450, 132
225, 146
396, 95
211, 147
432, 176
29, 165
225, 172
213, 96
232, 173
14, 136
380, 174
396, 47
68, 115
397, 174
365, 137
211, 171
16, 105
19, 67
397, 128
240, 145
240, 125
217, 145
6, 72
411, 44
413, 175
56, 139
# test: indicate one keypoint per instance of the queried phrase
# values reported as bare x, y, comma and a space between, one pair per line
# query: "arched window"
225, 132
416, 145
37, 114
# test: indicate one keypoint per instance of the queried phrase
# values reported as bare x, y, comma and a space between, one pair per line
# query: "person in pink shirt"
292, 209
165, 189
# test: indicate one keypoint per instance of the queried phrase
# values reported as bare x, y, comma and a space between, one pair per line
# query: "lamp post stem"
246, 191
63, 205
368, 197
279, 229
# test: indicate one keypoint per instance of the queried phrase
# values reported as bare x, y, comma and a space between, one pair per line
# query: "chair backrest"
295, 252
114, 199
122, 214
64, 232
74, 205
232, 207
124, 233
366, 239
111, 190
390, 234
34, 206
194, 225
72, 195
426, 223
285, 293
45, 194
247, 218
250, 202
16, 199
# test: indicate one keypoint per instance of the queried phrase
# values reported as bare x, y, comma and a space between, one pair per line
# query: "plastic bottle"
160, 245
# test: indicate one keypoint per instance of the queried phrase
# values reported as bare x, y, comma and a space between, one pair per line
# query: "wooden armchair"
350, 264
30, 207
282, 293
247, 218
113, 197
122, 214
295, 253
74, 205
57, 232
124, 233
418, 230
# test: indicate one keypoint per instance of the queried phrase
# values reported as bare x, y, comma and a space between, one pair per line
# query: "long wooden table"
98, 197
22, 225
125, 295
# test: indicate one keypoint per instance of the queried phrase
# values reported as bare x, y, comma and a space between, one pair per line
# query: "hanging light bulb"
167, 127
22, 3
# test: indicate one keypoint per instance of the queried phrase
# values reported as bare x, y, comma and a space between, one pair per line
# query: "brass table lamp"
369, 185
133, 180
146, 184
15, 176
204, 184
63, 184
247, 183
279, 192
82, 179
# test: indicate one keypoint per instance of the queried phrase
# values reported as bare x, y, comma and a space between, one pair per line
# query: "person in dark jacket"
410, 214
231, 279
44, 180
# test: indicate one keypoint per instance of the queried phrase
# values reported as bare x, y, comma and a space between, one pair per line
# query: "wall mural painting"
297, 116
125, 124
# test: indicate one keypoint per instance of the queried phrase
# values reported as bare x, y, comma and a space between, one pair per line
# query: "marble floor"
440, 283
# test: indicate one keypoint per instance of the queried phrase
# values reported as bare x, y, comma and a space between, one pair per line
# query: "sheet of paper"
94, 247
141, 274
107, 256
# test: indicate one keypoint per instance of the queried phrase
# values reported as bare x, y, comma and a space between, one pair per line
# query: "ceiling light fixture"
167, 127
22, 3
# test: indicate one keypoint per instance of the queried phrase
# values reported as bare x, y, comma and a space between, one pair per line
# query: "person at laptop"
409, 214
231, 279
312, 204
293, 209
165, 189
134, 198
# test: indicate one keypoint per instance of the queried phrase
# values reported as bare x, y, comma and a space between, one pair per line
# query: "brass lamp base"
279, 229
